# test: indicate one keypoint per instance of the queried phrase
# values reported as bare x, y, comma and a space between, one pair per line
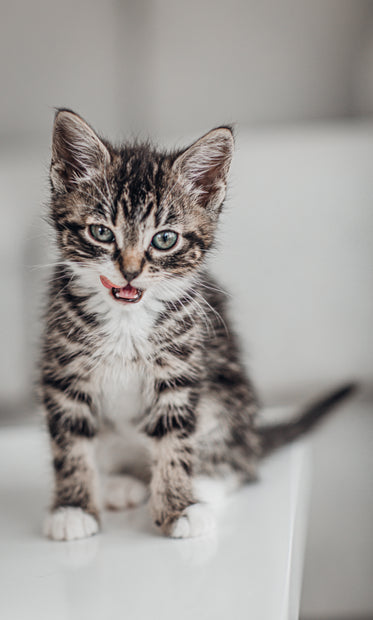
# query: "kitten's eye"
165, 240
101, 233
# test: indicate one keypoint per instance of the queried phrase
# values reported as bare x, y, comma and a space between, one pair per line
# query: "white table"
251, 569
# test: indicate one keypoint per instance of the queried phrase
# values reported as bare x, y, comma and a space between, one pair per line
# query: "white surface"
250, 569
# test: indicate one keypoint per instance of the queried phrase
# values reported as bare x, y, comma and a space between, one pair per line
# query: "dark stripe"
59, 383
65, 357
187, 466
59, 463
125, 208
72, 333
64, 385
179, 304
73, 227
182, 326
116, 255
160, 362
60, 425
185, 421
76, 497
147, 212
178, 328
227, 378
100, 209
158, 181
158, 214
172, 217
119, 260
116, 206
75, 304
175, 382
183, 351
77, 245
65, 466
192, 237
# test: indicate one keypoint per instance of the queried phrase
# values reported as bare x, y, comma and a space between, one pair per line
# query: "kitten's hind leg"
121, 492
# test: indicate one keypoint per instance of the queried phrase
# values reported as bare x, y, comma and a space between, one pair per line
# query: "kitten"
139, 363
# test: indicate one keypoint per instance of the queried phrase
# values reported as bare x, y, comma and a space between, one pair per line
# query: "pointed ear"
203, 168
78, 154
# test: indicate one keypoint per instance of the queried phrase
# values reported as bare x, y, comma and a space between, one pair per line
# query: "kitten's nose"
131, 264
130, 275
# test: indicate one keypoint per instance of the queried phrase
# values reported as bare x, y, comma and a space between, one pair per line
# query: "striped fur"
162, 377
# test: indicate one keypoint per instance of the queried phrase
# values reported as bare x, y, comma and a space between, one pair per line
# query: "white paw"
69, 524
123, 492
196, 520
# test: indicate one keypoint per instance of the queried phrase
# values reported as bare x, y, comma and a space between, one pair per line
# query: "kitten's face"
132, 220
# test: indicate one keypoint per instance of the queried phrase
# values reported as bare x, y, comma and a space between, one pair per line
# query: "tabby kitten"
140, 368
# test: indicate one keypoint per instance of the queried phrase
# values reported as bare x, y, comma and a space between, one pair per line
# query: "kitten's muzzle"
125, 294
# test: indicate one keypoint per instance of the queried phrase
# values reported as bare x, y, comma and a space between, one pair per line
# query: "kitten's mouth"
125, 294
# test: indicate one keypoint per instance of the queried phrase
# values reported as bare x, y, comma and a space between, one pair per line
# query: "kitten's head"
131, 220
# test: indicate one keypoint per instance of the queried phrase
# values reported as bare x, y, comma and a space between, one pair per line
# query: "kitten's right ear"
78, 154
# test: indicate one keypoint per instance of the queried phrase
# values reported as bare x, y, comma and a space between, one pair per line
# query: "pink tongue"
125, 292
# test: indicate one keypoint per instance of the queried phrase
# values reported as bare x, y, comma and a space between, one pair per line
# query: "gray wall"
56, 54
172, 68
205, 63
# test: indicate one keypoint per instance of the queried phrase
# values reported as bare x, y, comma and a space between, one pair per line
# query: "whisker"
214, 311
212, 288
195, 305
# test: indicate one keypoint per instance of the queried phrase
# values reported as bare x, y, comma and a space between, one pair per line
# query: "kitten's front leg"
74, 512
173, 504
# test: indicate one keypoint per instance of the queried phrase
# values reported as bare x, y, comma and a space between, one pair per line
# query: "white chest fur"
124, 378
125, 390
125, 394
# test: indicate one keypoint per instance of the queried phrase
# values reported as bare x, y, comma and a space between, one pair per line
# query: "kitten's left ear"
78, 154
203, 168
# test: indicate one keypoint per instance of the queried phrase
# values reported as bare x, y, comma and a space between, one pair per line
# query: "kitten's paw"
196, 520
122, 492
70, 524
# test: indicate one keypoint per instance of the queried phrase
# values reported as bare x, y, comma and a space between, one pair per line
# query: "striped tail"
276, 435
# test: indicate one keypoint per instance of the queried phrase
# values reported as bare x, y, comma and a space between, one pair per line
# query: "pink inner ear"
207, 175
204, 166
78, 153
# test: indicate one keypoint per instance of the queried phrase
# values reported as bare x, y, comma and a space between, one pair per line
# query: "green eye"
164, 240
101, 233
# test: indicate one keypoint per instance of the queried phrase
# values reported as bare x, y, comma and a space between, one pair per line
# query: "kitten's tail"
276, 435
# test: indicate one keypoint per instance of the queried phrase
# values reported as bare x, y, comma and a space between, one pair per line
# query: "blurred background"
296, 78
